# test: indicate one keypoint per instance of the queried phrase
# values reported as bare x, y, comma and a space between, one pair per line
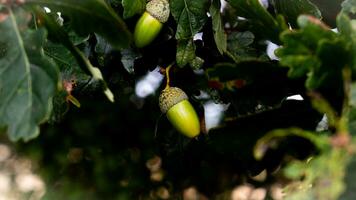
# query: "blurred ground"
17, 178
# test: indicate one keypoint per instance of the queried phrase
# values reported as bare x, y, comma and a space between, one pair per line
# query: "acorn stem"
167, 76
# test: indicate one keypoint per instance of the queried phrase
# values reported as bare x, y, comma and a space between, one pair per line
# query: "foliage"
28, 77
81, 53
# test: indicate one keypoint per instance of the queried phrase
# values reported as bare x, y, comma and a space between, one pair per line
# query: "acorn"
151, 22
174, 102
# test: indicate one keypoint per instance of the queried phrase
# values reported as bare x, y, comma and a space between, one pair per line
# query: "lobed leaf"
190, 16
307, 53
28, 78
239, 45
347, 28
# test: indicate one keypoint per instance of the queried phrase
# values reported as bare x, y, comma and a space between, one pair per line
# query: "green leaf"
269, 140
62, 56
350, 177
250, 71
190, 16
324, 172
218, 26
323, 107
331, 69
28, 78
59, 35
307, 53
353, 95
128, 57
132, 7
239, 46
262, 20
91, 16
185, 52
196, 63
243, 73
70, 73
114, 2
102, 46
347, 28
295, 169
352, 119
291, 9
349, 6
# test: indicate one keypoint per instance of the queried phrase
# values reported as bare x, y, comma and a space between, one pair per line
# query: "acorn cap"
159, 9
170, 97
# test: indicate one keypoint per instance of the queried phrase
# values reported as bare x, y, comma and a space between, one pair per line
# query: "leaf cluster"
58, 53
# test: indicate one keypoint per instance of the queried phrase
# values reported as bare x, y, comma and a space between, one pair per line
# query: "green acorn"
151, 22
174, 102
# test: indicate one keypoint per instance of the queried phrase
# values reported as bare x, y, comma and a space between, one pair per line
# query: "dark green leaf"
71, 74
260, 18
331, 68
218, 26
28, 78
190, 16
114, 2
67, 64
249, 71
132, 7
102, 46
91, 16
307, 52
59, 35
185, 52
291, 9
62, 56
238, 44
227, 72
128, 57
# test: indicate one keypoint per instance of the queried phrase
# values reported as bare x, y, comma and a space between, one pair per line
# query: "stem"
343, 124
167, 76
35, 21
